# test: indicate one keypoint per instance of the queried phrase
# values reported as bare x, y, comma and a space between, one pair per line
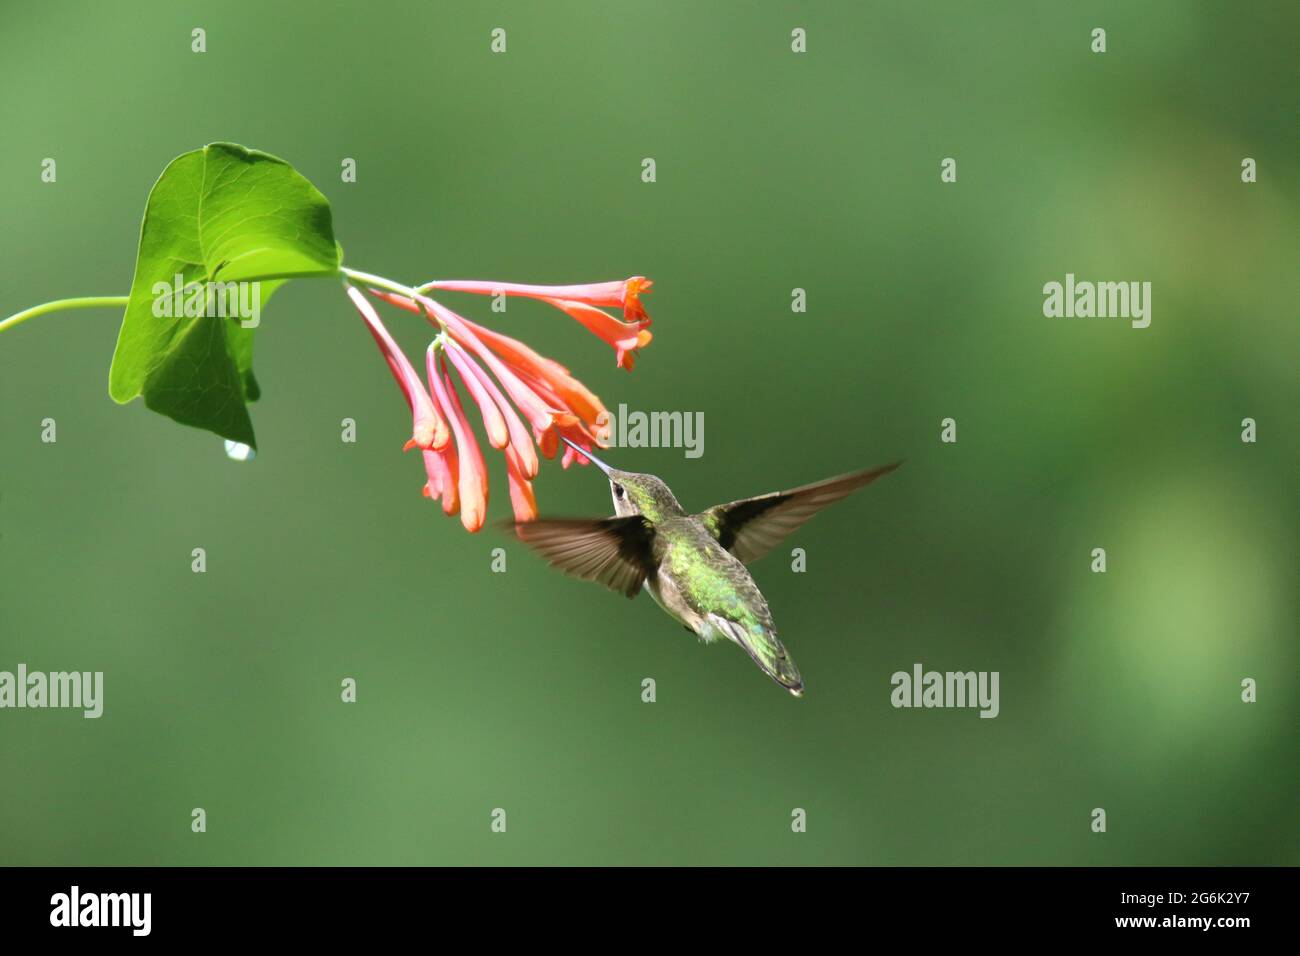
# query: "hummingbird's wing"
615, 552
751, 528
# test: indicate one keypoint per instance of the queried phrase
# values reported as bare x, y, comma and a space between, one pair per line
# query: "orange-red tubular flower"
528, 402
429, 429
522, 499
548, 442
443, 471
625, 337
473, 479
581, 437
564, 425
494, 423
521, 443
521, 371
624, 294
562, 389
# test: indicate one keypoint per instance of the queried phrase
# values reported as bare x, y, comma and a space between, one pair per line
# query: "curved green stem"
378, 282
120, 301
388, 285
89, 302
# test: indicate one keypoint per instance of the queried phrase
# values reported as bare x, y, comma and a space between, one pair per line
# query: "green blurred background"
775, 170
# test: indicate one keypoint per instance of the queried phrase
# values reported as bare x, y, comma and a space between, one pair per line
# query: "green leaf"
220, 214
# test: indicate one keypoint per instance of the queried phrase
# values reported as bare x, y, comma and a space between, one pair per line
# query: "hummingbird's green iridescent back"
705, 587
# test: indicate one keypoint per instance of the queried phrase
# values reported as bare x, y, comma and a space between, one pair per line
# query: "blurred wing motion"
615, 552
751, 528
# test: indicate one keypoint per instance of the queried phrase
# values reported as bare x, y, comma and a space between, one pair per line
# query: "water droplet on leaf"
238, 451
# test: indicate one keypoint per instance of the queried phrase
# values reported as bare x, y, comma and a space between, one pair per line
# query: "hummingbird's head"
634, 493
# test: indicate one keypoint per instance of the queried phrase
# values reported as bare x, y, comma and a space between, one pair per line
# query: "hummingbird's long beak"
588, 455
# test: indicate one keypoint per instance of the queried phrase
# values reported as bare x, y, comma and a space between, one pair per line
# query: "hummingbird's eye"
618, 492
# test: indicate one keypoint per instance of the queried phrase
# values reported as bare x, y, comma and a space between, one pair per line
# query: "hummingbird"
693, 565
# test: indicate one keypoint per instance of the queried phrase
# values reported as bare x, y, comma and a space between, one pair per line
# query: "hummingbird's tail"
764, 648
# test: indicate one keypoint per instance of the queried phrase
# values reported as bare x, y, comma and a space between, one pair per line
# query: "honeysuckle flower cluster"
525, 402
